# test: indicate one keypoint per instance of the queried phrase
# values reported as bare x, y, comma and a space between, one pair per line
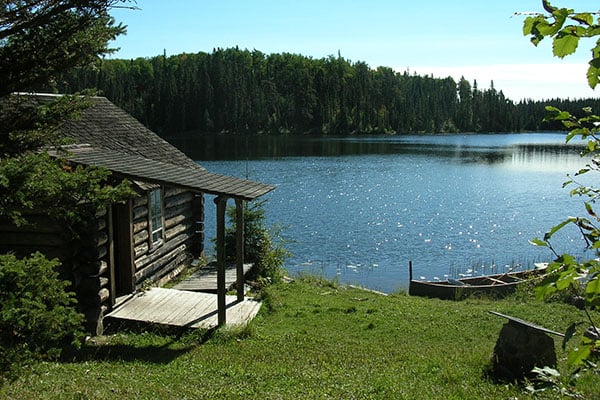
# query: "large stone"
519, 349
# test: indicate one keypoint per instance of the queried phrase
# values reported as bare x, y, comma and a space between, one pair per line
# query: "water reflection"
360, 208
547, 157
487, 149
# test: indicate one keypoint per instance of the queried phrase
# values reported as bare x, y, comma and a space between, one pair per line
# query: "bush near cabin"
263, 246
37, 315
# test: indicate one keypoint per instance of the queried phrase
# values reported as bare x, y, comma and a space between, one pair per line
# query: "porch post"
221, 203
239, 248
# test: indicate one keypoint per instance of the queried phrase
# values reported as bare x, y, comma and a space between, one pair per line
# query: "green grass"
312, 340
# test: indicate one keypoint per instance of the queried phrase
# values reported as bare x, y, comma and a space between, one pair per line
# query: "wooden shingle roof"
109, 137
139, 168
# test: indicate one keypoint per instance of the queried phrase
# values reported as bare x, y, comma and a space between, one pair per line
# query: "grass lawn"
311, 340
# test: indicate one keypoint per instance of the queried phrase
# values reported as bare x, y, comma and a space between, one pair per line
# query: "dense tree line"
233, 90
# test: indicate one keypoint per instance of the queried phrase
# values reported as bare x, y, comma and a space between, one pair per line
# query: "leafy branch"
579, 278
566, 274
566, 27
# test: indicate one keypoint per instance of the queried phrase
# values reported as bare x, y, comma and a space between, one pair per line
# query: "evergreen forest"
242, 91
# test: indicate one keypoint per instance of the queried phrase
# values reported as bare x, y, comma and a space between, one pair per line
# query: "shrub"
37, 314
263, 246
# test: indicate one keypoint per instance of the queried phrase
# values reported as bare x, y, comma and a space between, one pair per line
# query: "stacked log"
92, 275
40, 233
83, 257
86, 256
182, 236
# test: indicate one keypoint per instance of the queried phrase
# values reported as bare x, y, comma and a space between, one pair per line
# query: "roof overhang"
140, 168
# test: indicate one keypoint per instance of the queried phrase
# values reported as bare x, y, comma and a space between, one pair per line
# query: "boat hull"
495, 286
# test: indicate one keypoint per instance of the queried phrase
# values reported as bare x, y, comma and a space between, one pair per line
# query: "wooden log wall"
86, 263
182, 238
41, 234
92, 275
84, 260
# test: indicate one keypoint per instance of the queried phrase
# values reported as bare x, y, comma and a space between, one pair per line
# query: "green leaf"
582, 171
528, 25
593, 287
564, 44
538, 242
570, 124
565, 259
571, 330
583, 18
552, 109
579, 131
593, 73
560, 17
577, 356
590, 210
543, 27
596, 49
543, 292
572, 134
548, 235
565, 280
592, 300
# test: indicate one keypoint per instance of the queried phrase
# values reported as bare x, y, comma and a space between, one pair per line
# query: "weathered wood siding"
182, 236
41, 234
84, 260
92, 275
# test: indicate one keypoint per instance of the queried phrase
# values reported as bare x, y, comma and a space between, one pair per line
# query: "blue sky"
479, 40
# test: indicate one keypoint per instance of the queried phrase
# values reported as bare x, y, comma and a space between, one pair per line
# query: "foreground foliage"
40, 39
37, 317
566, 27
312, 339
579, 278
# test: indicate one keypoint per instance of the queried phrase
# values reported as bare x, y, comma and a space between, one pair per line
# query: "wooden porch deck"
184, 308
204, 279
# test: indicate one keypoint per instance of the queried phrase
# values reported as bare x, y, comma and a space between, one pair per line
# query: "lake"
359, 208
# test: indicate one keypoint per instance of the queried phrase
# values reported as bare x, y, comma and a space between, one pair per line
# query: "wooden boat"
498, 285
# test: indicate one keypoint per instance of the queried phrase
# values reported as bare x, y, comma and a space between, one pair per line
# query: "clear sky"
480, 40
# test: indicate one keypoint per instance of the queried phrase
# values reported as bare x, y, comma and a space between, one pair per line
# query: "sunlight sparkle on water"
445, 210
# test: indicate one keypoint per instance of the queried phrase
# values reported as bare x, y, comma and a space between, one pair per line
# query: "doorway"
122, 260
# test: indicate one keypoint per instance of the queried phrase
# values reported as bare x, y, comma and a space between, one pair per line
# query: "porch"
205, 279
184, 308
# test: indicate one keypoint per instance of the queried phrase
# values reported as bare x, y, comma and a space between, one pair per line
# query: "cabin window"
156, 216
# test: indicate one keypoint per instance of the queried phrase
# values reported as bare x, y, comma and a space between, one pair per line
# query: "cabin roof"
140, 168
107, 136
106, 126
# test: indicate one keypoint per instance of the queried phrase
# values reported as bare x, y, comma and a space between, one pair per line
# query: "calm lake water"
360, 208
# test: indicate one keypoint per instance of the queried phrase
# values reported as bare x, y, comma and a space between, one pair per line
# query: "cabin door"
122, 271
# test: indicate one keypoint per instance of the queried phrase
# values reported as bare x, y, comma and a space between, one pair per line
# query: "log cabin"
151, 237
